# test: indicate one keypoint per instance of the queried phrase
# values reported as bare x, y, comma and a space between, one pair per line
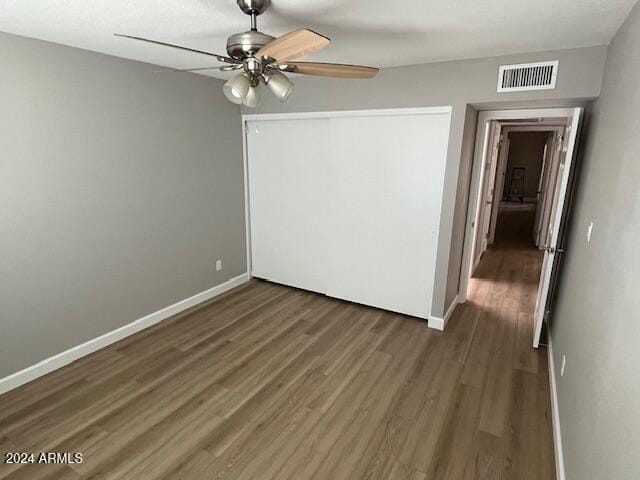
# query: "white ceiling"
380, 33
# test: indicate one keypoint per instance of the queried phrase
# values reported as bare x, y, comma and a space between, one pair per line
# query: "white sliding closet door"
349, 205
386, 175
287, 192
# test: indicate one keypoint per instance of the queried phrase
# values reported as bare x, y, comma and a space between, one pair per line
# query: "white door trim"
247, 212
481, 131
344, 113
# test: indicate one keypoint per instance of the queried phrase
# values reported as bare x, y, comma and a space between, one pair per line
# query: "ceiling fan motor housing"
241, 45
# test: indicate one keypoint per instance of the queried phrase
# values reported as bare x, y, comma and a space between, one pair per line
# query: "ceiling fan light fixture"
279, 84
253, 98
236, 88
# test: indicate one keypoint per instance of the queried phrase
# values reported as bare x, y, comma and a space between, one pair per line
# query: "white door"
386, 175
559, 198
549, 187
501, 171
491, 184
542, 187
288, 233
486, 193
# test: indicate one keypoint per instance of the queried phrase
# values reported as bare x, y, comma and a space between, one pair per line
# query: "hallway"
501, 302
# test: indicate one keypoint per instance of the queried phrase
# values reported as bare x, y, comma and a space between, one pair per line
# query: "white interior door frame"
343, 113
484, 117
247, 212
502, 166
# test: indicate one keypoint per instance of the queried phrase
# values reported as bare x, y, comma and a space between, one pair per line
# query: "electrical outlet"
218, 265
564, 363
589, 230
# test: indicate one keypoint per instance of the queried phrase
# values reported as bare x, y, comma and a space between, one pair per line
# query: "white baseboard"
61, 359
438, 323
555, 416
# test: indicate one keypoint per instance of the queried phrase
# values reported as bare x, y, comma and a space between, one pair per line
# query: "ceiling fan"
262, 59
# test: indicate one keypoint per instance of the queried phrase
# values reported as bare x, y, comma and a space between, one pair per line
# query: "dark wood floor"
269, 382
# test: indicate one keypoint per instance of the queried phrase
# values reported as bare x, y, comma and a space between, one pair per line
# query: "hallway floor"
501, 302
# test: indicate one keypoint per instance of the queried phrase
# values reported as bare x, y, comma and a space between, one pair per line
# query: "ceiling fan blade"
221, 58
331, 69
293, 45
223, 68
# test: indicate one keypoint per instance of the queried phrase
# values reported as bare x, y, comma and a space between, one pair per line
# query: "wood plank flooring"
269, 382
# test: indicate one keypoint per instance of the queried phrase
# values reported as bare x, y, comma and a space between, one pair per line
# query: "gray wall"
119, 188
462, 203
526, 149
596, 322
457, 84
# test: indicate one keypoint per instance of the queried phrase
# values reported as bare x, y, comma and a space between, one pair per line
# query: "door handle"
552, 250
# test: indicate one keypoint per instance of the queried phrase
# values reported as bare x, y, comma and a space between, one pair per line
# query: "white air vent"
527, 76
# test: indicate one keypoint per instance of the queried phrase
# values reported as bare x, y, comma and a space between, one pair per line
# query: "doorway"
526, 175
519, 185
